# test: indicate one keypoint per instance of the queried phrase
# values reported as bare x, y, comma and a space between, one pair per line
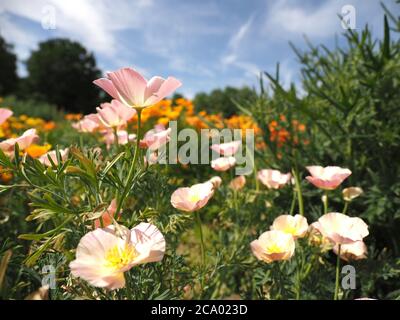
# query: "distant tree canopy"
61, 72
222, 100
8, 68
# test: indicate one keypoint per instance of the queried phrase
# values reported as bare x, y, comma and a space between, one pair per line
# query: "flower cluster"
11, 126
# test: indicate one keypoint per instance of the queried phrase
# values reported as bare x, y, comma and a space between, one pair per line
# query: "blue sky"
206, 44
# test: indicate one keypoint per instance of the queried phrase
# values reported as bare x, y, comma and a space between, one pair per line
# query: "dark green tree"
223, 100
61, 72
8, 68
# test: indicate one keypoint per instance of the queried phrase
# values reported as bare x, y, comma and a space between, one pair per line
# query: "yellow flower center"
118, 257
194, 196
274, 248
291, 229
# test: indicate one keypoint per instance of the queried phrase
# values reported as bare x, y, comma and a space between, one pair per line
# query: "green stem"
293, 202
325, 202
336, 295
203, 253
346, 206
298, 189
133, 163
255, 178
202, 249
253, 160
298, 275
116, 136
81, 141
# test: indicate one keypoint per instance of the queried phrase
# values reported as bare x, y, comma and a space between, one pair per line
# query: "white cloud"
92, 22
97, 24
285, 17
10, 31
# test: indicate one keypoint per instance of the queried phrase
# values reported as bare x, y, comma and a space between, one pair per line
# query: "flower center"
291, 229
119, 257
194, 197
274, 248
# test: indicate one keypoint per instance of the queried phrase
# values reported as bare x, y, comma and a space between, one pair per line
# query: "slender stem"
335, 297
255, 175
298, 274
133, 163
81, 141
235, 199
298, 189
116, 136
202, 249
253, 161
293, 202
346, 206
325, 202
203, 253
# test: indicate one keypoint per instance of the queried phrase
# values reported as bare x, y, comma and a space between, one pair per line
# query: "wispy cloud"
284, 17
236, 39
232, 56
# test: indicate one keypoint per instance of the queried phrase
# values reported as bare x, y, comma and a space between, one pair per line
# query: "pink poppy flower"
351, 193
273, 179
114, 114
123, 137
296, 225
131, 88
87, 124
340, 228
315, 238
28, 137
273, 246
103, 255
4, 115
107, 216
216, 181
192, 198
156, 138
228, 148
327, 178
223, 163
238, 183
352, 251
53, 155
150, 158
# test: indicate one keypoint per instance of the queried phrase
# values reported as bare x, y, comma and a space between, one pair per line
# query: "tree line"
61, 71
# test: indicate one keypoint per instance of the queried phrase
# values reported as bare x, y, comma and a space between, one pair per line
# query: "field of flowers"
90, 211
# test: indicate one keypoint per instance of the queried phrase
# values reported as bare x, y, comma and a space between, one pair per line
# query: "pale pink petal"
130, 85
44, 159
28, 137
223, 163
166, 88
107, 216
149, 242
273, 179
227, 149
238, 183
107, 86
327, 178
193, 198
4, 115
153, 86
